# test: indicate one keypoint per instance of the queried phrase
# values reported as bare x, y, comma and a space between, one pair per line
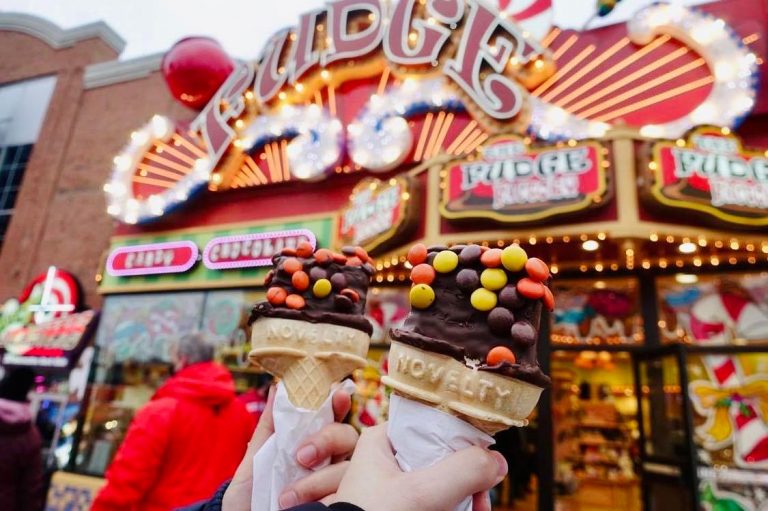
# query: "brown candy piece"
467, 280
288, 251
436, 248
458, 248
470, 255
338, 281
510, 298
268, 277
523, 333
351, 294
342, 303
500, 320
317, 273
348, 250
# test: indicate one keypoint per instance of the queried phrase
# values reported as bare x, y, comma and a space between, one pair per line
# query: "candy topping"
467, 280
537, 269
549, 299
483, 299
493, 278
530, 288
322, 288
445, 261
295, 302
304, 249
300, 281
417, 254
514, 257
276, 295
491, 258
422, 296
292, 265
422, 274
500, 320
500, 354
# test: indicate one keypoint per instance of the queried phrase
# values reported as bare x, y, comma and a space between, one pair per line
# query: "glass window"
22, 109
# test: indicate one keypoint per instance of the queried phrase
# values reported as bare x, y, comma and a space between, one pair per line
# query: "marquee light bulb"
590, 245
687, 247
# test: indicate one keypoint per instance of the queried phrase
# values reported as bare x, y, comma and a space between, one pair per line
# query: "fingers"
374, 447
466, 472
335, 441
266, 425
314, 487
342, 403
481, 501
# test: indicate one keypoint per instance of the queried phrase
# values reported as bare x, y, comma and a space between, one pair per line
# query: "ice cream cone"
308, 357
488, 401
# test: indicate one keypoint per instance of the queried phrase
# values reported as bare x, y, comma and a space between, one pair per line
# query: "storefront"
612, 154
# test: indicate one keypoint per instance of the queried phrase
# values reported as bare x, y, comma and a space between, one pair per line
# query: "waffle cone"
308, 357
489, 401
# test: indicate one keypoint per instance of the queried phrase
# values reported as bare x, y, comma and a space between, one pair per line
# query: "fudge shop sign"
710, 171
512, 182
378, 211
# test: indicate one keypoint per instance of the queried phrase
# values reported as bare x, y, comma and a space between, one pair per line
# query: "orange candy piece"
276, 295
530, 288
549, 299
304, 249
292, 265
323, 255
339, 258
500, 354
351, 294
417, 254
491, 258
354, 261
300, 280
295, 302
361, 253
537, 269
423, 274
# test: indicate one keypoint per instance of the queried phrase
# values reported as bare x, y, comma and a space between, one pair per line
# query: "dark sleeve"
31, 475
209, 505
316, 506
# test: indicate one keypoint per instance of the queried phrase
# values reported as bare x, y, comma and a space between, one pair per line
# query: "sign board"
152, 259
510, 181
710, 172
251, 250
378, 211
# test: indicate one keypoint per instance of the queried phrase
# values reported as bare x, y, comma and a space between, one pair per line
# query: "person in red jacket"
21, 462
184, 443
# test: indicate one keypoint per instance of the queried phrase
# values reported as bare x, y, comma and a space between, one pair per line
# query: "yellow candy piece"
514, 257
422, 296
322, 288
493, 278
445, 261
483, 300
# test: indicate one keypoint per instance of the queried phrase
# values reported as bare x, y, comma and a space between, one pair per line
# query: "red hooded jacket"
181, 446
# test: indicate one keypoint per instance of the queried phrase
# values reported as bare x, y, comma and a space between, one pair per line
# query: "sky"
242, 26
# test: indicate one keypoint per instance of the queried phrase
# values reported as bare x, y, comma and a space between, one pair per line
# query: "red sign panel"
251, 250
512, 182
377, 212
710, 172
152, 259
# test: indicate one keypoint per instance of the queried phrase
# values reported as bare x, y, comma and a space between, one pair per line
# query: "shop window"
22, 109
714, 309
597, 312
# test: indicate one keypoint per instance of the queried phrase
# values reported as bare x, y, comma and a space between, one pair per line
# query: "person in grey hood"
21, 463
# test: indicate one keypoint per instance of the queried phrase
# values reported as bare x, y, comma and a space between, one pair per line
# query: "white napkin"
421, 436
275, 465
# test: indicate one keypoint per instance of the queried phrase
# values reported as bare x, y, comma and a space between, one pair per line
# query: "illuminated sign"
251, 250
512, 182
152, 259
710, 172
377, 212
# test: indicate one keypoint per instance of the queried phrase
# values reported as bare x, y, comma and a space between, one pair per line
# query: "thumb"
461, 475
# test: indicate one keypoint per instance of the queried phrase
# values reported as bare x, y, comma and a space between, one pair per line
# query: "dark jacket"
215, 504
181, 446
21, 463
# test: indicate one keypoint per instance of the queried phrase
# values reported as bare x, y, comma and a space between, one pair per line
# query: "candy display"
468, 345
311, 332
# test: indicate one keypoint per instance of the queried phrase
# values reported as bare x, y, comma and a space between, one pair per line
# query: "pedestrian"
185, 442
21, 461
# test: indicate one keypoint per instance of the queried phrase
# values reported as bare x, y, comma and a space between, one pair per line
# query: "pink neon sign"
251, 250
152, 259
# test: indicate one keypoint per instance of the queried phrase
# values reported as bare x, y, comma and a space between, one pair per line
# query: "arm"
138, 461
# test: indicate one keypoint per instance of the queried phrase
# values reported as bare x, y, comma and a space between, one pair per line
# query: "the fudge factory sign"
512, 182
709, 171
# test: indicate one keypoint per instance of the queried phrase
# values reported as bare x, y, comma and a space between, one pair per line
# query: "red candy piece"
530, 288
362, 254
288, 251
491, 258
292, 265
295, 302
304, 249
417, 254
300, 280
423, 274
549, 299
500, 354
537, 269
276, 296
339, 258
351, 294
323, 255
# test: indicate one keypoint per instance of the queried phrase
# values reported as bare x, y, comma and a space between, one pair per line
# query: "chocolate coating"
334, 308
452, 327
